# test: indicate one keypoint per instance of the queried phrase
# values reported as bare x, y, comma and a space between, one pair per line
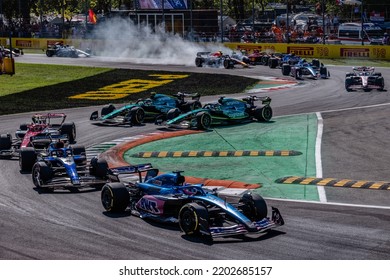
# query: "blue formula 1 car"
149, 109
224, 112
63, 167
313, 70
167, 198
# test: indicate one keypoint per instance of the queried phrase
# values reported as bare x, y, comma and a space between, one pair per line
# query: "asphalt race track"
353, 224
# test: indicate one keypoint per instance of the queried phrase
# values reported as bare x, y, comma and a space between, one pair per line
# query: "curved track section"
354, 224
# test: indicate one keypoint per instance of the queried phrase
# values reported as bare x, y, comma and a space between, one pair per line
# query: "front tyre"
115, 197
190, 216
254, 206
137, 115
41, 173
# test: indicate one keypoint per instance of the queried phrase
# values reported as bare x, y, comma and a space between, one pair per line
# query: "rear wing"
135, 169
182, 95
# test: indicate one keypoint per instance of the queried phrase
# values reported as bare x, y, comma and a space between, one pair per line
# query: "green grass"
36, 87
32, 76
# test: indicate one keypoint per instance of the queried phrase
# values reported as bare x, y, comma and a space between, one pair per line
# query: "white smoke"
139, 43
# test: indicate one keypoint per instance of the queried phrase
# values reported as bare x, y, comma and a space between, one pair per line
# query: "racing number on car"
125, 88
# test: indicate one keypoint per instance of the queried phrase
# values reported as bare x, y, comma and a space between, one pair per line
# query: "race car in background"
218, 59
364, 78
224, 112
44, 129
197, 210
60, 50
61, 167
154, 108
313, 70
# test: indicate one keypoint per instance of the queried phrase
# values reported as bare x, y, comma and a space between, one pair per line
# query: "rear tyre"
190, 216
198, 62
27, 159
273, 63
263, 114
79, 150
70, 130
203, 120
115, 197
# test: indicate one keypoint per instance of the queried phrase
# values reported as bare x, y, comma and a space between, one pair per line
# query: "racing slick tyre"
378, 74
324, 73
115, 197
77, 151
263, 114
23, 126
49, 53
190, 217
298, 74
107, 109
286, 69
137, 115
348, 82
199, 62
264, 60
381, 83
27, 159
173, 113
253, 206
99, 167
203, 120
41, 173
316, 63
70, 130
5, 141
273, 63
228, 63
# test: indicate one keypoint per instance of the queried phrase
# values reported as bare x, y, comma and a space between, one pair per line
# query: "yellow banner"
319, 50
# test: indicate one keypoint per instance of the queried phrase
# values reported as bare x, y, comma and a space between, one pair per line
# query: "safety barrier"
305, 50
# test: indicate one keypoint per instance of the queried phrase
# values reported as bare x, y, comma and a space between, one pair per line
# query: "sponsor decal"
301, 51
354, 52
53, 42
24, 43
379, 52
125, 88
148, 205
322, 51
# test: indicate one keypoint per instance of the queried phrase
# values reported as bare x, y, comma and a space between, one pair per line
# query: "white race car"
364, 78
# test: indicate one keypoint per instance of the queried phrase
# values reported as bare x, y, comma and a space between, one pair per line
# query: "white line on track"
320, 189
330, 203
